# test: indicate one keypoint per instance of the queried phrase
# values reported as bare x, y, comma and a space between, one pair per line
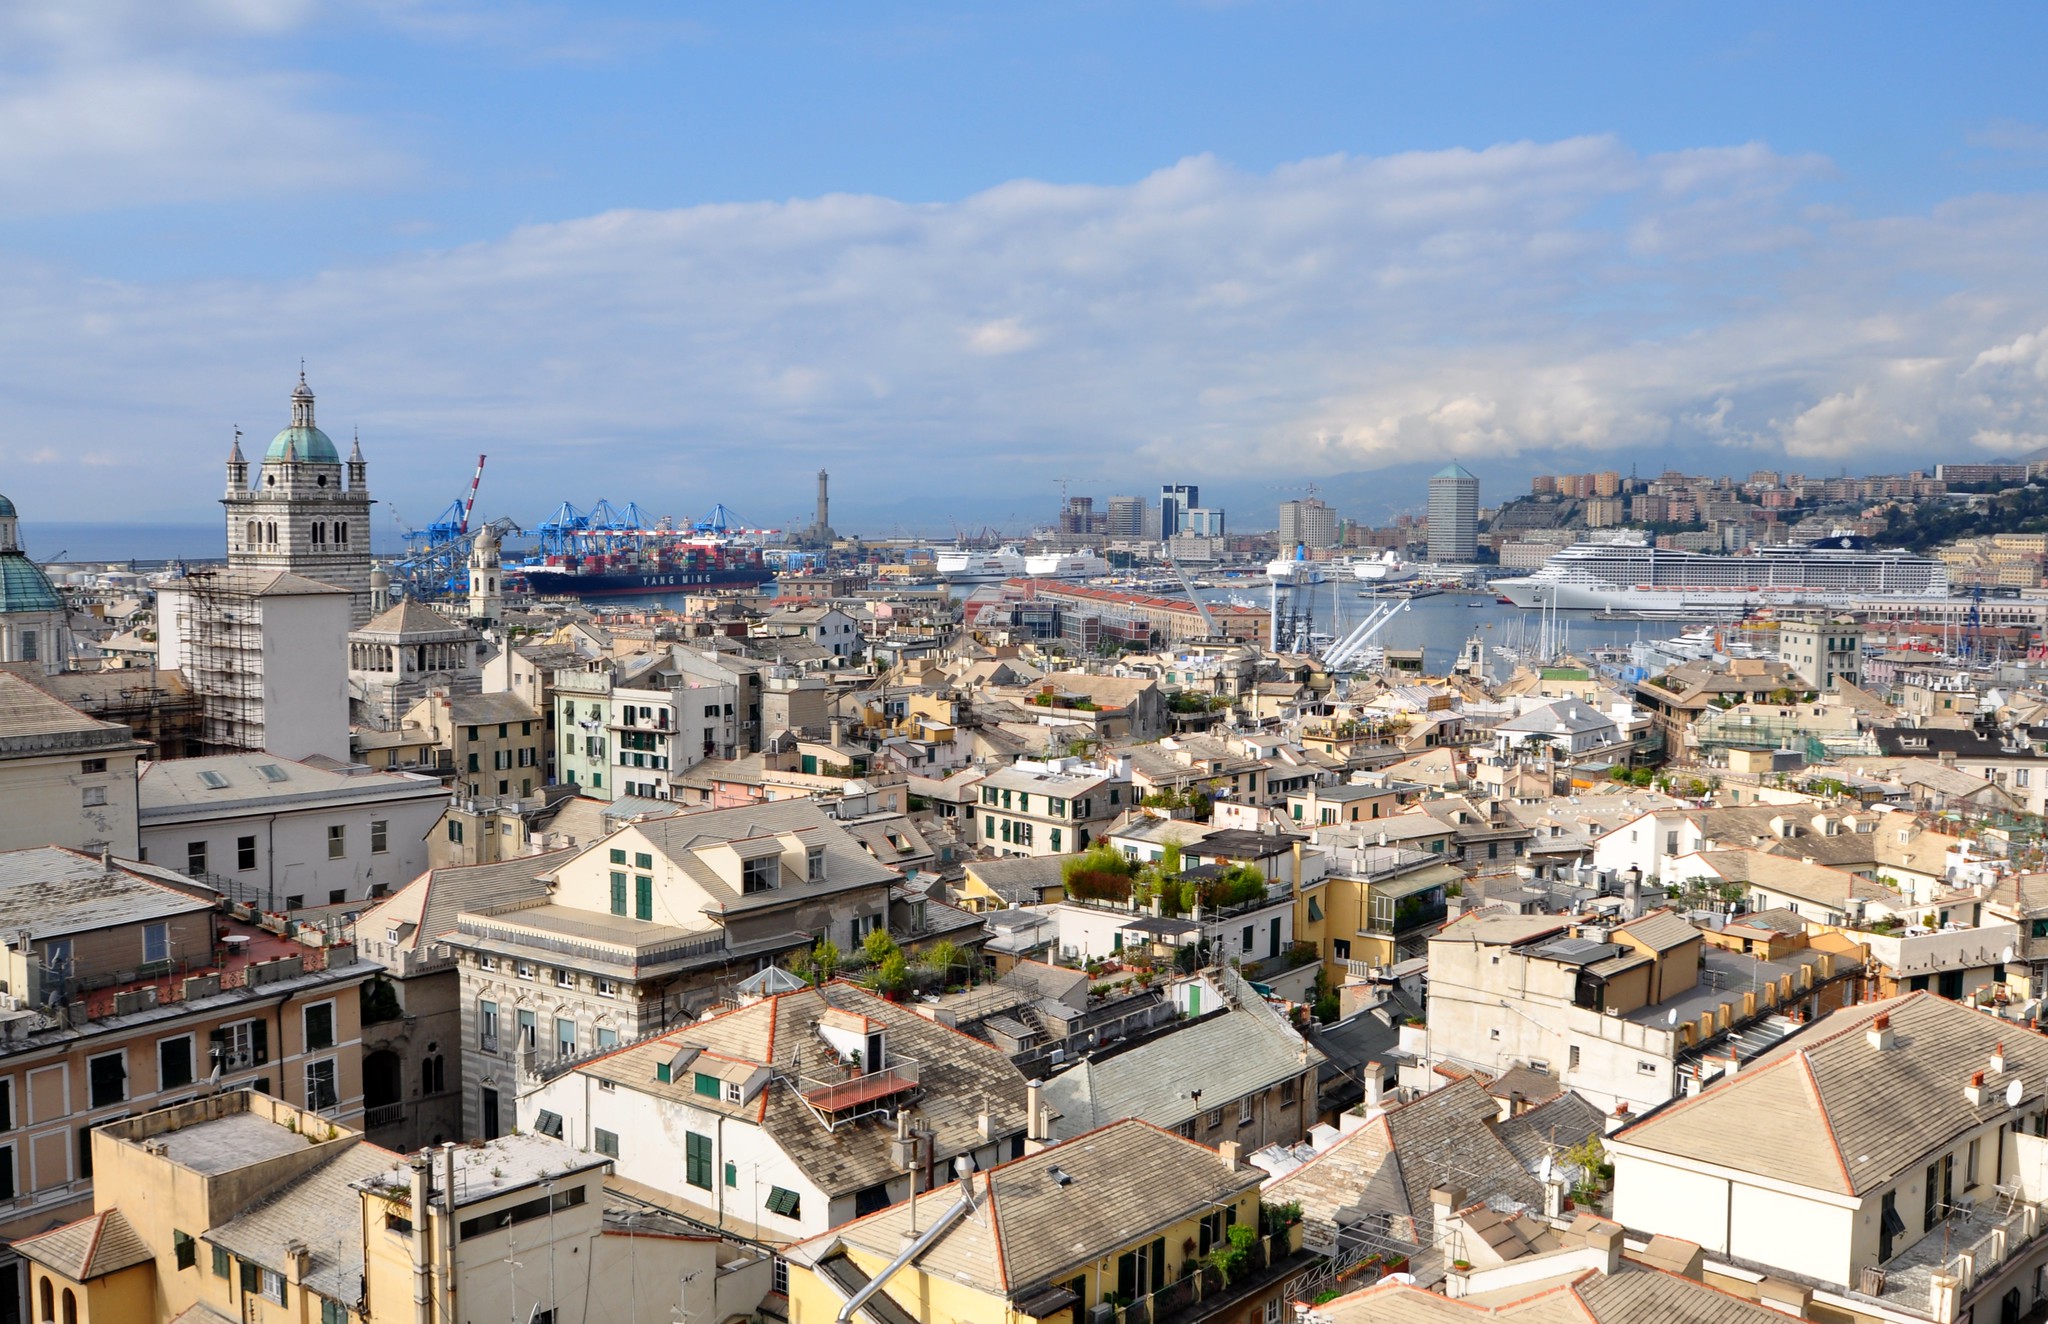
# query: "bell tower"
299, 515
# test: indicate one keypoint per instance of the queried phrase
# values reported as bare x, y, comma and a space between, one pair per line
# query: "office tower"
1079, 516
1453, 515
1126, 517
1175, 500
1309, 522
1205, 521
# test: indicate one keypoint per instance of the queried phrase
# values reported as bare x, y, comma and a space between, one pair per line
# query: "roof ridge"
1813, 1084
92, 1247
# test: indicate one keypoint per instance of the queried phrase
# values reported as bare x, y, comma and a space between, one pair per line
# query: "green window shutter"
732, 1173
1315, 908
220, 1263
252, 1280
661, 1072
618, 893
1055, 840
618, 856
185, 1249
643, 898
697, 1160
642, 860
707, 1085
785, 1202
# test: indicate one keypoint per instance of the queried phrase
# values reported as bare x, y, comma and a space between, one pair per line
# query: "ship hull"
548, 582
1679, 600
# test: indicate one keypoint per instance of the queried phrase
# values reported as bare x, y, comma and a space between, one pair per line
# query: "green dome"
7, 509
308, 445
23, 585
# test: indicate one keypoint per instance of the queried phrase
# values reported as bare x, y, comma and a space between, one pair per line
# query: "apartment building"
1889, 1156
130, 987
627, 728
240, 1207
279, 834
487, 744
65, 778
1060, 1235
789, 1116
1629, 1014
1050, 806
645, 929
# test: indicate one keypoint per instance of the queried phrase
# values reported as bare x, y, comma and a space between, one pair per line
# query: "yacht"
967, 566
1626, 573
1065, 565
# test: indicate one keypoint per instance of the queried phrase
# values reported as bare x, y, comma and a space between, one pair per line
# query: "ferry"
1065, 565
1387, 569
965, 566
1625, 573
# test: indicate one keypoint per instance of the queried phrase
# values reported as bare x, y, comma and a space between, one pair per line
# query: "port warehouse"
1048, 608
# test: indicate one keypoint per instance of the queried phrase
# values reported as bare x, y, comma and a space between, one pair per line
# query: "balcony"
843, 1100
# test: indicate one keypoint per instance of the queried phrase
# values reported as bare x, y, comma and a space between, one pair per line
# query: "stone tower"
486, 578
299, 515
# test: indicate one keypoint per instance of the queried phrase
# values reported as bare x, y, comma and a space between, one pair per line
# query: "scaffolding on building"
222, 626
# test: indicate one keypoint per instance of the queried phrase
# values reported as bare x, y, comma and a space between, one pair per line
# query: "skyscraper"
1310, 522
1126, 517
1453, 515
1175, 500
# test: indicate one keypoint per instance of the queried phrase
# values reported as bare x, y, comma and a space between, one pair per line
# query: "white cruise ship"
964, 566
1387, 569
1627, 574
1065, 565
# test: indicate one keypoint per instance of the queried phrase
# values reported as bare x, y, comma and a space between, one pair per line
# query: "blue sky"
692, 252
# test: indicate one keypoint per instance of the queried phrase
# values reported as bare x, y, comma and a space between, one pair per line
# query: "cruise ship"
1065, 565
1387, 569
1627, 574
965, 566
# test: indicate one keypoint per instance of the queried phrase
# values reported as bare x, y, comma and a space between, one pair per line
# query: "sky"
961, 255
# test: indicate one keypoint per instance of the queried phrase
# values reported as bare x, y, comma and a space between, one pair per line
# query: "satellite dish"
1548, 1168
2013, 1094
2005, 957
1671, 1017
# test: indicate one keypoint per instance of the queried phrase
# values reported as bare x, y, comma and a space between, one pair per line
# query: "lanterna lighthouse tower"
299, 515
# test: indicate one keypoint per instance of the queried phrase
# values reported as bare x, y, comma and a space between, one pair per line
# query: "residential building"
413, 1087
1057, 1236
1888, 1157
266, 653
1565, 728
789, 1116
280, 834
66, 779
1382, 904
491, 745
299, 518
1453, 515
628, 728
129, 986
1631, 1014
1307, 522
828, 627
1050, 806
647, 928
1237, 1072
1823, 651
240, 1207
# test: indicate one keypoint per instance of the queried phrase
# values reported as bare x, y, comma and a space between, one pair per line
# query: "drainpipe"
444, 1270
964, 1167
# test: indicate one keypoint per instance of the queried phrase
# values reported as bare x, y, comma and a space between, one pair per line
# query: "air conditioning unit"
1102, 1313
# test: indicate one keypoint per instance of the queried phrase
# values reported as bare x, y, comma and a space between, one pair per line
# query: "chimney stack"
1229, 1151
1880, 1033
1375, 1087
1998, 1059
1618, 1118
1974, 1091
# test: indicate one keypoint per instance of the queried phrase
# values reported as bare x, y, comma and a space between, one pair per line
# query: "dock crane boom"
470, 504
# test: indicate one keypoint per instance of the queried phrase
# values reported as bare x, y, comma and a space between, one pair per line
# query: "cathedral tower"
299, 515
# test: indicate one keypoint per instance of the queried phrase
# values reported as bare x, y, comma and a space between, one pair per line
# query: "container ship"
649, 563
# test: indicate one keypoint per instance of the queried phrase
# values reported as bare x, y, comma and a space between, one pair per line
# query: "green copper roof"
7, 509
24, 586
307, 445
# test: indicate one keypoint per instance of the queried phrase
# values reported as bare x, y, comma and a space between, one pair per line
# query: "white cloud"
1565, 300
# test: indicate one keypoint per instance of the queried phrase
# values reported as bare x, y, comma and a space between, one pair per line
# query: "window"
380, 836
565, 1037
433, 1074
195, 857
564, 978
529, 1029
733, 1092
322, 1088
245, 854
606, 1143
455, 832
8, 1186
337, 840
333, 1312
548, 1124
92, 797
320, 1026
607, 988
697, 1160
174, 1062
761, 874
272, 1286
706, 1085
618, 856
618, 890
221, 1263
643, 897
1244, 1112
184, 1249
92, 765
607, 1037
814, 863
784, 1202
523, 969
732, 1173
156, 943
242, 1045
107, 1078
487, 1026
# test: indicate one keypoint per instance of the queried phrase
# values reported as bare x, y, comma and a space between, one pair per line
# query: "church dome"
7, 510
24, 587
307, 445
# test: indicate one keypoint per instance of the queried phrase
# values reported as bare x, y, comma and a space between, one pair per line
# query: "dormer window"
760, 875
814, 864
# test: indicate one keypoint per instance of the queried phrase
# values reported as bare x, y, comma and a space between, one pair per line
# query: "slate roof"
426, 907
320, 1208
96, 1245
172, 787
1631, 1295
32, 722
1826, 1110
50, 890
1021, 880
412, 620
956, 1073
1028, 1231
1244, 1050
847, 865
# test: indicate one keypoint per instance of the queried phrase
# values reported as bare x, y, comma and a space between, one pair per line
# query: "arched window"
341, 534
49, 1302
70, 1307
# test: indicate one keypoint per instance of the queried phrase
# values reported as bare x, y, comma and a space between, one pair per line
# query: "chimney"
1618, 1118
1974, 1091
1880, 1033
1035, 1136
1605, 1237
1998, 1059
1228, 1151
1784, 1297
301, 1259
1375, 1087
1444, 1201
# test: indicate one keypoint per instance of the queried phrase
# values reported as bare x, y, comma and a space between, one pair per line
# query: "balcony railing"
842, 1100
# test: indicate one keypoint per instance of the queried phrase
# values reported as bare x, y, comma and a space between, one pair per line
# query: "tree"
891, 974
943, 956
824, 960
878, 946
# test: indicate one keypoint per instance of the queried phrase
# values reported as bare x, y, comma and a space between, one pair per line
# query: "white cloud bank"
1573, 299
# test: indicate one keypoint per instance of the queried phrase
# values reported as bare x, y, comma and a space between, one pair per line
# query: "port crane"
436, 560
